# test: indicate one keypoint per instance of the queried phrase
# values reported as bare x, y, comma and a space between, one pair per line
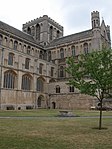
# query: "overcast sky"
73, 15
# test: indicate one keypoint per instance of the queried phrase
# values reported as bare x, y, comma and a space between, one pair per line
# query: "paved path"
51, 117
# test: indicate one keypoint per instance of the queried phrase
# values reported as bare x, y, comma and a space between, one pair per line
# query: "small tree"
92, 75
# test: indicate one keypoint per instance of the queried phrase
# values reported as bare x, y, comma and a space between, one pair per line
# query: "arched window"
58, 34
41, 55
49, 56
39, 101
1, 38
11, 43
9, 79
29, 30
85, 48
39, 85
57, 89
40, 68
61, 53
73, 51
61, 71
28, 50
26, 82
51, 33
38, 31
71, 88
32, 30
15, 45
27, 63
5, 41
10, 59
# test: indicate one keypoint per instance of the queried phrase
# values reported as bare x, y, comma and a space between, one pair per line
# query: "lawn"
44, 130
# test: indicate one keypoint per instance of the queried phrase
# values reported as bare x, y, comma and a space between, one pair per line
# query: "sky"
73, 15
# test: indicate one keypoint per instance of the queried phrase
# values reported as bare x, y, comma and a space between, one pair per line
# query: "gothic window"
9, 79
5, 41
73, 51
27, 62
39, 85
51, 33
45, 55
58, 34
10, 58
1, 38
61, 71
26, 82
15, 45
40, 68
32, 30
57, 89
49, 56
38, 31
11, 43
41, 55
52, 71
29, 30
85, 48
28, 50
71, 88
61, 53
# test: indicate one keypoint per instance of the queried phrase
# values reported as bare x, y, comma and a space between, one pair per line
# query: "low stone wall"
72, 101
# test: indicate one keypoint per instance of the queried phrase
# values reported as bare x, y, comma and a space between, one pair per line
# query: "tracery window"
9, 79
73, 51
85, 48
26, 82
39, 85
15, 45
61, 71
27, 63
61, 53
38, 31
10, 58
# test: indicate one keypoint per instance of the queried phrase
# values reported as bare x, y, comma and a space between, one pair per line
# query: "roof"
16, 32
70, 38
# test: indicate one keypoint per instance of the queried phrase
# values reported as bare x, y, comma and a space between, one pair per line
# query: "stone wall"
72, 101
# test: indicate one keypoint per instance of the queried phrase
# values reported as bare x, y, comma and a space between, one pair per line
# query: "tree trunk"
100, 120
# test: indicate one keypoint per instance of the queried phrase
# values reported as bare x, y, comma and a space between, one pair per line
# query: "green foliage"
92, 74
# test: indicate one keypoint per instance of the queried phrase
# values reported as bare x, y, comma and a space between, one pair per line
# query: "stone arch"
40, 84
53, 105
51, 32
38, 32
10, 79
26, 82
61, 53
29, 30
85, 47
73, 50
32, 30
40, 101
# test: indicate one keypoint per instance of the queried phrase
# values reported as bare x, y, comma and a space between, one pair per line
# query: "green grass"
54, 133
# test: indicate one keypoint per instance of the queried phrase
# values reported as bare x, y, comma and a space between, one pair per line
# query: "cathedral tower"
43, 30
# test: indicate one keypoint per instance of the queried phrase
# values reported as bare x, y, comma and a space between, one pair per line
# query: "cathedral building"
33, 61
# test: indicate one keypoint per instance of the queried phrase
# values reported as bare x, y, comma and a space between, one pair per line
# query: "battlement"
95, 14
40, 19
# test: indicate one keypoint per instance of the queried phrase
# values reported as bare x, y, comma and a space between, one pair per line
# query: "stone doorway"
53, 105
39, 101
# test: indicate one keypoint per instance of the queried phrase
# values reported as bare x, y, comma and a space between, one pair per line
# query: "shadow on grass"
103, 128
